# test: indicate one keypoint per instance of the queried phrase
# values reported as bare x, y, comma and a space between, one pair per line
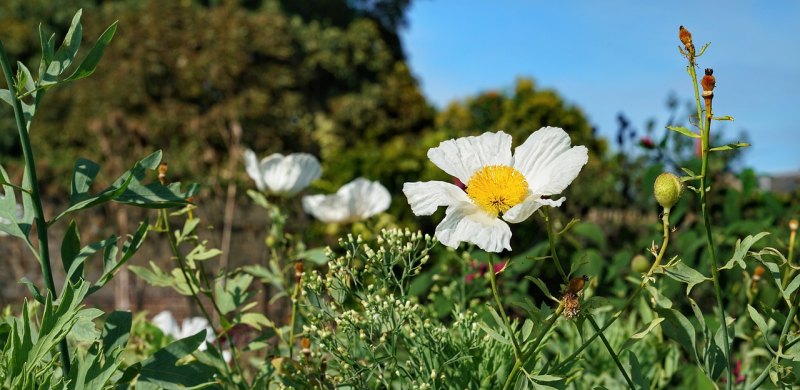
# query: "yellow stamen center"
497, 188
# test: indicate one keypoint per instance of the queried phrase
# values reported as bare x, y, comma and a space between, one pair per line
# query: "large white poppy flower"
497, 183
355, 201
282, 175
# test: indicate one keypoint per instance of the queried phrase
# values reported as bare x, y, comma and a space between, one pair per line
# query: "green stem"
781, 342
531, 353
293, 318
611, 351
493, 282
551, 238
705, 132
41, 223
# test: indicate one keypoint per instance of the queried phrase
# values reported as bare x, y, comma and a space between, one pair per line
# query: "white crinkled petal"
166, 322
554, 178
253, 169
523, 211
327, 208
425, 197
357, 200
547, 161
286, 176
461, 157
465, 222
365, 198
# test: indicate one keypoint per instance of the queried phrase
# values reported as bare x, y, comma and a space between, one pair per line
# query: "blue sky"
621, 56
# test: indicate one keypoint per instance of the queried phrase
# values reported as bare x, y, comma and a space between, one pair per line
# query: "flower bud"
793, 225
685, 36
667, 190
640, 264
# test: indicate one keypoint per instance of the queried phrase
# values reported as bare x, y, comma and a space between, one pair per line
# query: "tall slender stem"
506, 322
551, 239
41, 222
611, 351
705, 131
531, 353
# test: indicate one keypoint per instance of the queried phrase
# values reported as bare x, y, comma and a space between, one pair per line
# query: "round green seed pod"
640, 264
667, 190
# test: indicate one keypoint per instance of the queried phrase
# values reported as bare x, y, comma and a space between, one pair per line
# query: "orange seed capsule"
708, 82
685, 36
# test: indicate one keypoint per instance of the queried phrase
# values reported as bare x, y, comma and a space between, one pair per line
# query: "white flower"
169, 326
356, 200
497, 183
282, 175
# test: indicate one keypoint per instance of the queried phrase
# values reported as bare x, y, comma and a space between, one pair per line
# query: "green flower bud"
640, 264
667, 190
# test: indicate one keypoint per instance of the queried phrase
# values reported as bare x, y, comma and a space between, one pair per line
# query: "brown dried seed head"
305, 343
298, 270
685, 36
708, 82
572, 306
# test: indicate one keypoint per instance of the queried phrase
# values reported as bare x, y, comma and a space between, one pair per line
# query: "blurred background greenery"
330, 78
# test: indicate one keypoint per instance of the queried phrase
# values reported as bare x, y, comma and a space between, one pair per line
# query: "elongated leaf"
162, 370
539, 283
685, 274
63, 57
637, 376
493, 333
677, 327
82, 177
88, 65
47, 51
641, 333
737, 145
85, 253
742, 247
70, 248
684, 131
116, 331
759, 321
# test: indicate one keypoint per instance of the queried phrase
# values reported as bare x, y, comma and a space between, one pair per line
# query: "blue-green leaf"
88, 65
742, 247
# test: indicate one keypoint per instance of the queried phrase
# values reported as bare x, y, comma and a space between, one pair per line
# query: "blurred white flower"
282, 175
169, 326
496, 183
355, 201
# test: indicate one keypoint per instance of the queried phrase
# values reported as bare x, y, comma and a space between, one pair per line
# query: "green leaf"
116, 331
84, 329
47, 51
641, 333
493, 334
539, 283
677, 327
162, 369
86, 252
684, 131
723, 118
234, 293
316, 256
762, 325
88, 65
742, 247
637, 376
70, 248
737, 145
592, 232
694, 378
684, 274
66, 53
82, 177
34, 290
